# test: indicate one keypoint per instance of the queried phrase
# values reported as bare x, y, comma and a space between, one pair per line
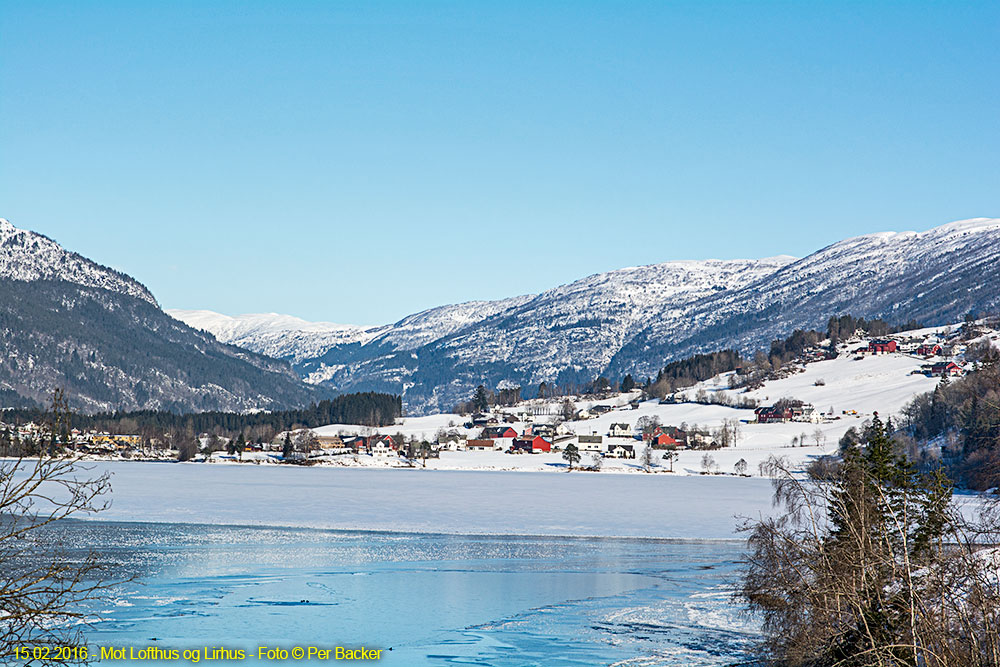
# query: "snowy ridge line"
28, 256
635, 319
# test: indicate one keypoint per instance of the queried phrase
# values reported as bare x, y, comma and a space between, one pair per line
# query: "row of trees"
842, 327
964, 417
873, 565
367, 408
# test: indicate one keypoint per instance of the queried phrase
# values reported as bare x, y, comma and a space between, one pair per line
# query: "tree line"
963, 417
365, 408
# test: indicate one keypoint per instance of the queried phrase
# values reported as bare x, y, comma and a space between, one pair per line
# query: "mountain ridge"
67, 322
634, 319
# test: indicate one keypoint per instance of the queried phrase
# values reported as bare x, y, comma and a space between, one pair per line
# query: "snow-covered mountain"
68, 322
27, 256
634, 320
933, 277
279, 336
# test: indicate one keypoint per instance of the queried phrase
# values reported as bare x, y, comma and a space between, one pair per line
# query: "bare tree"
819, 437
707, 464
568, 411
670, 456
43, 589
741, 467
647, 424
874, 565
647, 457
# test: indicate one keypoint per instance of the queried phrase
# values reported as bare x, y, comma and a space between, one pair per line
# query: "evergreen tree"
854, 590
571, 454
480, 401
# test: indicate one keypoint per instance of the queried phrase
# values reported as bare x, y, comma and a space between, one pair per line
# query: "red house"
651, 435
533, 445
494, 432
771, 414
929, 350
946, 368
882, 346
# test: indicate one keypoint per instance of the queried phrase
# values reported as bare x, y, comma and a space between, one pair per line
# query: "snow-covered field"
422, 501
882, 383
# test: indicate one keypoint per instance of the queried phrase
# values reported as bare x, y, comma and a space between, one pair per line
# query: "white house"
620, 431
622, 451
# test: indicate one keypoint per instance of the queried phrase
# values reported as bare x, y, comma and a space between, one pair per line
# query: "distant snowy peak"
279, 336
287, 336
29, 256
232, 327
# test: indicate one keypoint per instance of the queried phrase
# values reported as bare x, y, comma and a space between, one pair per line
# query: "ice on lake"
433, 599
444, 568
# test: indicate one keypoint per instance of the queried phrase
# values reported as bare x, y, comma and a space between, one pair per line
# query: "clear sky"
360, 161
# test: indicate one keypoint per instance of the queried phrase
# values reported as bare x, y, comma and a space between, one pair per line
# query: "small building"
482, 445
329, 441
481, 419
533, 445
544, 430
929, 350
590, 443
497, 432
622, 452
772, 414
502, 436
381, 445
600, 409
945, 368
882, 346
620, 431
452, 442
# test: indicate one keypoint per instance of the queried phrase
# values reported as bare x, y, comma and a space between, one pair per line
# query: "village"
708, 428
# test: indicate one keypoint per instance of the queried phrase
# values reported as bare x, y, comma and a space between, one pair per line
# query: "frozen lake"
434, 599
459, 502
446, 568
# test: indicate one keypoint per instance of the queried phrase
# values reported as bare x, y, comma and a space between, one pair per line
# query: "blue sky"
359, 161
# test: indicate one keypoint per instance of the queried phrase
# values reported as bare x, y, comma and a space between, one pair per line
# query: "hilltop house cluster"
939, 353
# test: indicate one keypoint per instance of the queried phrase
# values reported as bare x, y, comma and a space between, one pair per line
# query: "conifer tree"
480, 401
571, 454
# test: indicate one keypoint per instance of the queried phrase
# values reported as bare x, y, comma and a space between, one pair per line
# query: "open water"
433, 599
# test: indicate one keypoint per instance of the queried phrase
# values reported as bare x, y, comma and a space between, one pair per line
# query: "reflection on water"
432, 599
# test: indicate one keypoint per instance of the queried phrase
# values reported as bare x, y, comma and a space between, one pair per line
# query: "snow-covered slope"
561, 334
68, 322
26, 256
286, 336
281, 336
933, 277
634, 320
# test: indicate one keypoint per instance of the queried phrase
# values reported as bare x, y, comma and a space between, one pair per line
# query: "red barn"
882, 346
929, 350
533, 445
663, 440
